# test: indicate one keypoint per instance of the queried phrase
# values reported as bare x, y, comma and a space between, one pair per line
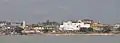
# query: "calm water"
59, 39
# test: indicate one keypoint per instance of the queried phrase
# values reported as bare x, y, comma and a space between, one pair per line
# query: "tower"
23, 24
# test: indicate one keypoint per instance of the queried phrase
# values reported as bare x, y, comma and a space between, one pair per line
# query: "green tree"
90, 29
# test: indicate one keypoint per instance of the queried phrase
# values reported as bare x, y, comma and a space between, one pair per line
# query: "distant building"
116, 26
98, 27
3, 23
69, 25
50, 25
87, 21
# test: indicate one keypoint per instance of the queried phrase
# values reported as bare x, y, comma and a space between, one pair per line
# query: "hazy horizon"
33, 11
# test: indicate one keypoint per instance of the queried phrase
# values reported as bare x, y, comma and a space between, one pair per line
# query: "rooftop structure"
87, 21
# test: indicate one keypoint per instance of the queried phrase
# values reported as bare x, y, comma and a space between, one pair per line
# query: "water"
59, 39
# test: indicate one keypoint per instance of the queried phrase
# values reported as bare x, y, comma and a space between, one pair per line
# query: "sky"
33, 11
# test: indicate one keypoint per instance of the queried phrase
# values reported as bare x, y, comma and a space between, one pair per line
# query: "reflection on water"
59, 39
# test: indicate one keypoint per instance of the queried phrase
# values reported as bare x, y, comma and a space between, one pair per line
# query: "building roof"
87, 20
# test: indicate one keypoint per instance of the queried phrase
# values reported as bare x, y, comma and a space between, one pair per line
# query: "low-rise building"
116, 26
52, 25
39, 28
3, 23
98, 27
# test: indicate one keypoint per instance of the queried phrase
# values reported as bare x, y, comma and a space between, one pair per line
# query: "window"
77, 26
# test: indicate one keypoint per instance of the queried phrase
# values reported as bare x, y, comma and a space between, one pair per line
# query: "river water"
59, 39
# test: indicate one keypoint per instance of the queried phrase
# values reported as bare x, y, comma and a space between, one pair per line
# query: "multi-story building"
69, 25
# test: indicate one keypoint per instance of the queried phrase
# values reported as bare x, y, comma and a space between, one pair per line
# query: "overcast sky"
106, 11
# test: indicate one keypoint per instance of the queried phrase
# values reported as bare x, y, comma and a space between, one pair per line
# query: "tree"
45, 30
90, 29
18, 30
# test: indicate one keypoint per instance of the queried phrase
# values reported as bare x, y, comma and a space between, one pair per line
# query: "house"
116, 26
98, 27
69, 25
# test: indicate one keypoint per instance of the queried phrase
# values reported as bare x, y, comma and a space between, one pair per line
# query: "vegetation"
18, 30
90, 29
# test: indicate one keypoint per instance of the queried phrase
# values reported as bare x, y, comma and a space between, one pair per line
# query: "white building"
116, 26
69, 25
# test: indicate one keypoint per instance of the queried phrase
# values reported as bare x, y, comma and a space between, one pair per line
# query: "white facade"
116, 26
73, 26
2, 24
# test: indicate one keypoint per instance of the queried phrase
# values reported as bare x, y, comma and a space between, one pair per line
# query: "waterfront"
85, 26
59, 39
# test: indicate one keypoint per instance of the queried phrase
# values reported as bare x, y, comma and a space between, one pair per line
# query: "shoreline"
94, 34
79, 34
